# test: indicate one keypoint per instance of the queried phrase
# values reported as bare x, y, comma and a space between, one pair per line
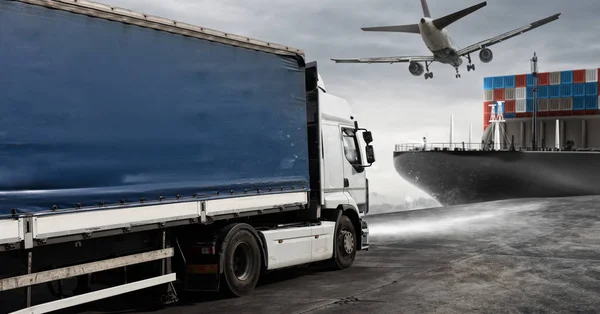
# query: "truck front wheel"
345, 244
242, 263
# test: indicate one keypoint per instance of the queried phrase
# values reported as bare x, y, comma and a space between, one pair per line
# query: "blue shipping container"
591, 102
554, 91
566, 90
488, 83
510, 81
509, 115
579, 89
566, 77
579, 103
100, 111
591, 88
530, 80
499, 108
543, 91
529, 91
529, 107
499, 82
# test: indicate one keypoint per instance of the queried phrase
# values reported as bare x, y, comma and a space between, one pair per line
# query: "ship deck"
536, 255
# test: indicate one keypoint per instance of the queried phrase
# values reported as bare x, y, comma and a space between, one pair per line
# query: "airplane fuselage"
439, 43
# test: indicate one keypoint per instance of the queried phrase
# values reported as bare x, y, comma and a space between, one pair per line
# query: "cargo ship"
565, 160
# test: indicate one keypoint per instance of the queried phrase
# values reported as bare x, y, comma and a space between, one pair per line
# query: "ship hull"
464, 177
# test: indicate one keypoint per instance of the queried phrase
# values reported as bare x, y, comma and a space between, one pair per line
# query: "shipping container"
529, 105
488, 95
543, 104
591, 75
509, 94
591, 102
566, 77
530, 80
591, 88
554, 91
554, 78
564, 104
579, 76
566, 90
521, 93
509, 81
487, 108
579, 103
509, 106
524, 115
529, 92
499, 108
498, 82
498, 94
488, 83
579, 89
543, 79
554, 104
521, 105
543, 91
509, 115
486, 119
521, 80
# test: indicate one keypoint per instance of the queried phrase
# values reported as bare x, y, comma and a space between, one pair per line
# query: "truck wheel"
242, 263
345, 244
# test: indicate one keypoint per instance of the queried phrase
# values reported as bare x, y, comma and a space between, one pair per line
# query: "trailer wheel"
242, 263
345, 244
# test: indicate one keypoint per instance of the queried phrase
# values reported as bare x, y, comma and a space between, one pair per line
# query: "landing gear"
457, 74
470, 66
428, 74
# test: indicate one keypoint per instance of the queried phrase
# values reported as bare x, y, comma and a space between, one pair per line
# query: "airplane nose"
422, 21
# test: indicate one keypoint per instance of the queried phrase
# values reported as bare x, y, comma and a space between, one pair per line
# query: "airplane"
438, 41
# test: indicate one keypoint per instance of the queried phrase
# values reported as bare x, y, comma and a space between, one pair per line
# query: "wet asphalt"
525, 256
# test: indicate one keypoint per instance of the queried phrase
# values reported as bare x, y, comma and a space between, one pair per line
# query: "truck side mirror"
370, 154
368, 137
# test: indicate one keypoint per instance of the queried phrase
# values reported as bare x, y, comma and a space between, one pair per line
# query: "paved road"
538, 256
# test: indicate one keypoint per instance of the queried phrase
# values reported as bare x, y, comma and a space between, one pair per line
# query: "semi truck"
167, 156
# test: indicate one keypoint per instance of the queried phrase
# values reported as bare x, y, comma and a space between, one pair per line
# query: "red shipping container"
499, 94
521, 80
578, 76
509, 106
486, 107
544, 78
486, 119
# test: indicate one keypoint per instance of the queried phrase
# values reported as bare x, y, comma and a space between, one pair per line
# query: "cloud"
395, 105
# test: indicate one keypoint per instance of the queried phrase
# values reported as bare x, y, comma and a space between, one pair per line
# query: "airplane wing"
515, 32
386, 59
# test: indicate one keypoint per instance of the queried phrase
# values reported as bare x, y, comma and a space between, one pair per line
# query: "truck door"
354, 175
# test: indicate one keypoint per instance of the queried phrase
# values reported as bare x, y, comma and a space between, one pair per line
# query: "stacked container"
559, 93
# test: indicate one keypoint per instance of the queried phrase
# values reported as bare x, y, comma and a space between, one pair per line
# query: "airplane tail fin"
442, 22
410, 28
425, 8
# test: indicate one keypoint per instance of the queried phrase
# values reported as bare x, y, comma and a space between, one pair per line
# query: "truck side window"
350, 147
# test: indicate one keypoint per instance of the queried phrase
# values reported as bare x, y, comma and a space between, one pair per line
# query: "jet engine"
486, 55
415, 68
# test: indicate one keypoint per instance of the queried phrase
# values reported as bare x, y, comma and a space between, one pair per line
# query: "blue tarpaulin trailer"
97, 111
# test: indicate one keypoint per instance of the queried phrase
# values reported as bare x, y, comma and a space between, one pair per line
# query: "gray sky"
387, 99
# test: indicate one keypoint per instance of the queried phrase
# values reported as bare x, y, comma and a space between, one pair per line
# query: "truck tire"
345, 244
242, 263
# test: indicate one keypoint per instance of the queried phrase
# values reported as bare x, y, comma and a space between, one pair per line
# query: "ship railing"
463, 146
